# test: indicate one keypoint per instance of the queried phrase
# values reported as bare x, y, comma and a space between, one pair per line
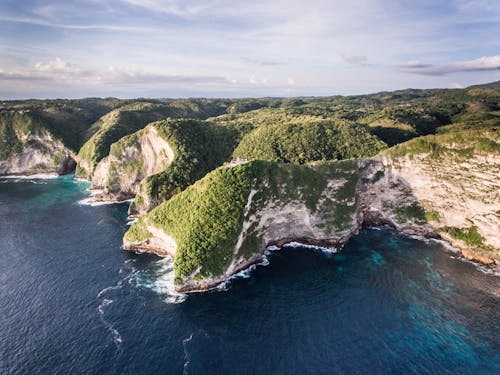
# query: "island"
217, 183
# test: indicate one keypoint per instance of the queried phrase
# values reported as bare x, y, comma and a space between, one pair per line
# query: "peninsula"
216, 182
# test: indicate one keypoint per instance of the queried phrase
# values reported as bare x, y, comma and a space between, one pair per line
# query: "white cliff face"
40, 154
125, 167
448, 195
158, 243
463, 194
394, 192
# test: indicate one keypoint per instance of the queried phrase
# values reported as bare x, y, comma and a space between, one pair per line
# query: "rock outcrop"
442, 187
131, 159
40, 153
111, 127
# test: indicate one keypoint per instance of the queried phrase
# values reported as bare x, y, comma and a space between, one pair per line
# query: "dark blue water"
72, 302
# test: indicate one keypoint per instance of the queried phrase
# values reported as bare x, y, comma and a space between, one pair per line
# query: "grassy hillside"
206, 219
14, 125
66, 120
460, 144
269, 128
265, 134
302, 141
198, 146
232, 212
114, 125
132, 117
456, 177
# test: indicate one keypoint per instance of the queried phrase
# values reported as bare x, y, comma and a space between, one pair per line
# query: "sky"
251, 48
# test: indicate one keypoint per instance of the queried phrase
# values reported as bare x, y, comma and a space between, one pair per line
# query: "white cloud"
483, 63
57, 66
62, 72
260, 62
356, 59
486, 63
254, 80
58, 75
415, 64
186, 8
193, 42
44, 22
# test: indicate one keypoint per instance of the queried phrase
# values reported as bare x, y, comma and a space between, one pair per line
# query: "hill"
224, 222
42, 136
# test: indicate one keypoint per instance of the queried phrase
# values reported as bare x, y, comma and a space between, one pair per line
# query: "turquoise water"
71, 301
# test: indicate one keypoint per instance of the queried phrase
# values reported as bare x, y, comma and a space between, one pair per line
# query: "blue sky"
222, 48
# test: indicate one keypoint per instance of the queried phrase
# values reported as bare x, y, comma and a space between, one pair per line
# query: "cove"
73, 302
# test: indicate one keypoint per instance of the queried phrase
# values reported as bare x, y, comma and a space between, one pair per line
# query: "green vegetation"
137, 232
432, 216
10, 141
198, 146
206, 218
58, 158
132, 117
393, 117
66, 120
292, 145
469, 235
312, 140
457, 144
113, 126
413, 212
204, 221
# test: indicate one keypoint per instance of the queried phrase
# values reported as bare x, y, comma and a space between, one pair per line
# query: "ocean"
73, 302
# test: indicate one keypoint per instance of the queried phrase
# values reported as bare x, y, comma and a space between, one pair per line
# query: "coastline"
99, 198
483, 263
28, 176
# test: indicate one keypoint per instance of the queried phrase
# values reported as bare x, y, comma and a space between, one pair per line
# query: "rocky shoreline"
335, 245
382, 193
112, 197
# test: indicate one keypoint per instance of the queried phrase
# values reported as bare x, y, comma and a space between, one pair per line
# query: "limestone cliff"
131, 159
38, 153
111, 127
42, 136
440, 186
199, 147
456, 179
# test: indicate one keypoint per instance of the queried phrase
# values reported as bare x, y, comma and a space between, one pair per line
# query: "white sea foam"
186, 353
79, 179
247, 272
114, 332
34, 182
327, 250
162, 282
92, 202
94, 192
445, 244
454, 250
487, 270
37, 179
38, 176
109, 288
130, 272
132, 221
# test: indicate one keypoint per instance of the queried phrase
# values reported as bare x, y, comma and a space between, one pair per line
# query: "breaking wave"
159, 279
